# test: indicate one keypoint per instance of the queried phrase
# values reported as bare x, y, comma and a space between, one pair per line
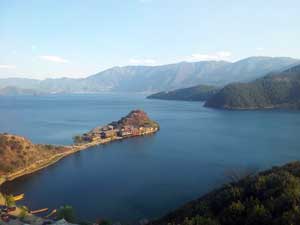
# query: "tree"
77, 139
23, 212
66, 212
9, 200
259, 215
234, 214
199, 220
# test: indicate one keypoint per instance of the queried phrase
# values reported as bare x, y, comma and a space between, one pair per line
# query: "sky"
77, 38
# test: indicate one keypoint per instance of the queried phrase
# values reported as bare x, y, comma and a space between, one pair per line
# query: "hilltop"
277, 90
136, 118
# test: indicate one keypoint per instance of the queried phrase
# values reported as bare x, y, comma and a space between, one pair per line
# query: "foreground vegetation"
268, 198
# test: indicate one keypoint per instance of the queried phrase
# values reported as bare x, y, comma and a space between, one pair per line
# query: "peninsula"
19, 156
136, 123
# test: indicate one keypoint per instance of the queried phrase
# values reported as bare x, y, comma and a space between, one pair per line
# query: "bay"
143, 177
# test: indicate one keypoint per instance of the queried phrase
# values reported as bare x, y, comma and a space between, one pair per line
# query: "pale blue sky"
76, 38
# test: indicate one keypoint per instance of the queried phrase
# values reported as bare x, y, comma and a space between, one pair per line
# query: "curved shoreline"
54, 159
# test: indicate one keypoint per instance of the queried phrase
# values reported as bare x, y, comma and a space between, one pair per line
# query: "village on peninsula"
20, 157
136, 123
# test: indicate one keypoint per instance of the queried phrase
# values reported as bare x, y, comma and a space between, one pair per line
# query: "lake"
143, 177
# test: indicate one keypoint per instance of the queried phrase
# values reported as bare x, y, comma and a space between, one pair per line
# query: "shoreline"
54, 159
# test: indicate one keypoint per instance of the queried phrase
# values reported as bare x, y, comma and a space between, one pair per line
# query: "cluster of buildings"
113, 131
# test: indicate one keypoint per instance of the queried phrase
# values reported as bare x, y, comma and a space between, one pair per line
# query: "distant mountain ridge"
276, 90
12, 91
152, 79
251, 68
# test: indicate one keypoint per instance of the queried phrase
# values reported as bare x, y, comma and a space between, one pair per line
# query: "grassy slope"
17, 153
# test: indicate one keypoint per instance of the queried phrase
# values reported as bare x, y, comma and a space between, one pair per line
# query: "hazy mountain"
19, 82
195, 93
12, 91
278, 90
248, 69
159, 78
154, 78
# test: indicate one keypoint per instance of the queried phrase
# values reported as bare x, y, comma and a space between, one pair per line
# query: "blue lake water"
143, 177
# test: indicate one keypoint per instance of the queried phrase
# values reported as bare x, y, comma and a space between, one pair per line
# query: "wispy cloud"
54, 58
142, 61
144, 1
259, 49
5, 66
33, 47
222, 55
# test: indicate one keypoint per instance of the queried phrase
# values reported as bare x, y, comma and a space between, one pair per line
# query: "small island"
19, 156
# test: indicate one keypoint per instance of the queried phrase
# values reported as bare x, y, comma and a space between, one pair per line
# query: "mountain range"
152, 79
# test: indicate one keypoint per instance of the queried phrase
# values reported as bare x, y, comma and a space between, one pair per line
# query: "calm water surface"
148, 176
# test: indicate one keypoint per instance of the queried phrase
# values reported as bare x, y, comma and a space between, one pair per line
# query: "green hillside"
280, 90
196, 93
